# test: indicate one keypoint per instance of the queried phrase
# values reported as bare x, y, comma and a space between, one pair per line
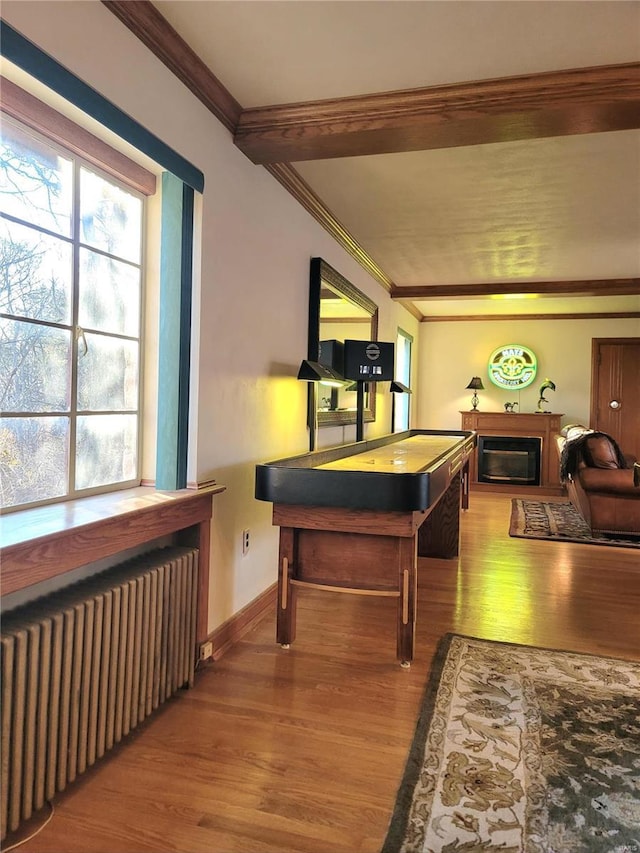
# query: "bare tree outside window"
70, 297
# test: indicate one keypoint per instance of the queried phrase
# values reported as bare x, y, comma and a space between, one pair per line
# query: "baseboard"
242, 622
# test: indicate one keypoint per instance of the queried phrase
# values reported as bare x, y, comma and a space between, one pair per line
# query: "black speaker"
368, 361
331, 354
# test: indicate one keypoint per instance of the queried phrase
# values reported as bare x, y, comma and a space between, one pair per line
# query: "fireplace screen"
509, 459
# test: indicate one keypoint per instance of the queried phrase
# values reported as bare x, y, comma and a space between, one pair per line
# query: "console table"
519, 424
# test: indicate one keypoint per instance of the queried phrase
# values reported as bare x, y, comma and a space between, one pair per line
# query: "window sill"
41, 543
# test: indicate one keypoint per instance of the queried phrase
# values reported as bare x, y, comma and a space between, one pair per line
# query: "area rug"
522, 750
558, 521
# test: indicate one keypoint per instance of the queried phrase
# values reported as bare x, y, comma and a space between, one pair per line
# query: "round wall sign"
512, 367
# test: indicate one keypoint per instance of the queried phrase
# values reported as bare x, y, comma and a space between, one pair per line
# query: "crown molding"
156, 33
302, 192
412, 309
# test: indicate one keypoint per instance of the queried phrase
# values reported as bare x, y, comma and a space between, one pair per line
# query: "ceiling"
508, 198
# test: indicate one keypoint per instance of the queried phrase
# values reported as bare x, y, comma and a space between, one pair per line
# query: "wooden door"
615, 390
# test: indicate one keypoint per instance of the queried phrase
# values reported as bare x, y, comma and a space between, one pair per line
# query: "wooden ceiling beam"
600, 287
557, 103
474, 318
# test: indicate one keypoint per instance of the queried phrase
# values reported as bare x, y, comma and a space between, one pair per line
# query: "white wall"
251, 289
451, 353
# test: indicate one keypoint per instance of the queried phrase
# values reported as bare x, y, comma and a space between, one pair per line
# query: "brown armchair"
601, 482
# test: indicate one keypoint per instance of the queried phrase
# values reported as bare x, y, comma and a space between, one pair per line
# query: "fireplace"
542, 426
509, 459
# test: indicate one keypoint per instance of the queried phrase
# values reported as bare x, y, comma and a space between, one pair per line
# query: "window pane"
34, 367
403, 374
106, 450
35, 274
110, 217
109, 294
107, 374
70, 295
34, 459
35, 181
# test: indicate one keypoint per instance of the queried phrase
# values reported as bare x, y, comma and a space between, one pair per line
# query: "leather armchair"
600, 481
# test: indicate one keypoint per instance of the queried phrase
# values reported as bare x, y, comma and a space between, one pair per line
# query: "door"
615, 390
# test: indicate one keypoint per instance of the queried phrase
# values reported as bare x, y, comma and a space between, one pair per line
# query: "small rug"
559, 521
522, 750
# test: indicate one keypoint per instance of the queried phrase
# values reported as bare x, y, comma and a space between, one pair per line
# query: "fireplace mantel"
519, 424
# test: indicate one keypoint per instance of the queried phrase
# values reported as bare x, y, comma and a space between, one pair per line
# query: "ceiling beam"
557, 103
473, 318
600, 287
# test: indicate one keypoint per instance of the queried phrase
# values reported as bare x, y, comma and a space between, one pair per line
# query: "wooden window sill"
44, 542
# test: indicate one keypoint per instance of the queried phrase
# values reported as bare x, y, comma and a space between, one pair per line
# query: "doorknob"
614, 404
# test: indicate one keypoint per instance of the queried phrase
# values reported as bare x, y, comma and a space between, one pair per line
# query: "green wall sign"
512, 367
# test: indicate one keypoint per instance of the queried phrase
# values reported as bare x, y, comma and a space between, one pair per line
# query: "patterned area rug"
522, 750
559, 521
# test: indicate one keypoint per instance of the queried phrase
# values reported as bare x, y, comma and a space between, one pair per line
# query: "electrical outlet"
206, 650
245, 541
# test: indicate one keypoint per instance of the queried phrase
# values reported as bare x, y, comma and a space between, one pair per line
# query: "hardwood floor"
302, 751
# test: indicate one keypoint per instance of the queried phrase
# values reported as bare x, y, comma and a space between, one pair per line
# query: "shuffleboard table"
355, 518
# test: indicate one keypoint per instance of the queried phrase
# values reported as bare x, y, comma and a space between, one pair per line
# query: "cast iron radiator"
83, 666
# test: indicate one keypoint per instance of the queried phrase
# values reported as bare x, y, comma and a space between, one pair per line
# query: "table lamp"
475, 385
314, 372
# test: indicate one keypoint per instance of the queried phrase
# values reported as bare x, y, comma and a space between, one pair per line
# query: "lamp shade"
476, 384
313, 371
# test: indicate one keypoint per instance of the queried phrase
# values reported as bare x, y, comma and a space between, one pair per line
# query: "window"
403, 374
70, 321
181, 180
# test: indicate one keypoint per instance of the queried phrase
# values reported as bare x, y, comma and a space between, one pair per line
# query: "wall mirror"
339, 311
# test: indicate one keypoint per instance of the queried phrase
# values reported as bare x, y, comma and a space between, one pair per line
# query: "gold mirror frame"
321, 272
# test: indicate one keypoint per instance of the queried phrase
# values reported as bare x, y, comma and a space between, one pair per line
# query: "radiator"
83, 666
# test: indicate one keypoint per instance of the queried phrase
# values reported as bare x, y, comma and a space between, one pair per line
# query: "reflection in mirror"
338, 311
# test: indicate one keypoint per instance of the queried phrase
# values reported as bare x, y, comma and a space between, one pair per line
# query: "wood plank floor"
302, 751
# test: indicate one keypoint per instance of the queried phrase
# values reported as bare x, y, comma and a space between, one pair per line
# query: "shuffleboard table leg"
286, 616
407, 581
439, 534
465, 484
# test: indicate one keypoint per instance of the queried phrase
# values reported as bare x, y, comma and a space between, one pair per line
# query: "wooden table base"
365, 552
